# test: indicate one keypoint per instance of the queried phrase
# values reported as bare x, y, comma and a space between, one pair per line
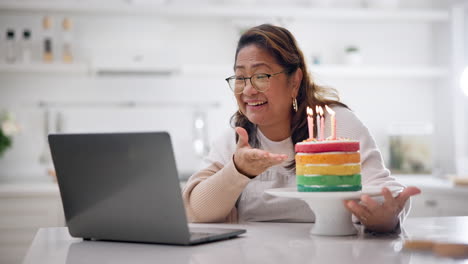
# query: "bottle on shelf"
10, 46
48, 55
67, 54
353, 55
26, 46
316, 60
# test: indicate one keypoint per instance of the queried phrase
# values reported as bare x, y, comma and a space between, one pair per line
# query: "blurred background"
71, 66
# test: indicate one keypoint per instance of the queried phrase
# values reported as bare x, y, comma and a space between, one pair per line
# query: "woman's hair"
281, 44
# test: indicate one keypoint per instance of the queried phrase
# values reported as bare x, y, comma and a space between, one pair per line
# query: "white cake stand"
331, 216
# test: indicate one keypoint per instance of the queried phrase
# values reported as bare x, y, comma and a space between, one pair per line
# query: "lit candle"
322, 124
318, 121
310, 122
333, 122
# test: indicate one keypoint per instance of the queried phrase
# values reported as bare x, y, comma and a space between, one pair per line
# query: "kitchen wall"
198, 54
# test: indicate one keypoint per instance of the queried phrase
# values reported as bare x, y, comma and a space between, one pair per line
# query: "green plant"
351, 49
5, 142
8, 128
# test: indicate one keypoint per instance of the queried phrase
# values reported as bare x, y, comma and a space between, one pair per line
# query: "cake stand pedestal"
331, 216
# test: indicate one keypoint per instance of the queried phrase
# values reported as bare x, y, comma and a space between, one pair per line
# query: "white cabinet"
439, 204
24, 208
439, 197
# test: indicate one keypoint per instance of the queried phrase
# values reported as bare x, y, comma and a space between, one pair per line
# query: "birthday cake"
328, 165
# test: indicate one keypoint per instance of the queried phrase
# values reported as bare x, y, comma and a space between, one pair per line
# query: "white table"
263, 243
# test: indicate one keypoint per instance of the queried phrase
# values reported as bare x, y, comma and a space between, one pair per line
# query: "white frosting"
321, 175
328, 142
323, 165
324, 153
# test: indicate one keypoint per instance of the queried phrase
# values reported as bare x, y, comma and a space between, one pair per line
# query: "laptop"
124, 187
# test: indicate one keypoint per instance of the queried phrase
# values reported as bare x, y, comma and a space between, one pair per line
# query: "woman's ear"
296, 82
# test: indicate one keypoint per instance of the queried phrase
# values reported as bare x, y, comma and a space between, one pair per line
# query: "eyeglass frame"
250, 78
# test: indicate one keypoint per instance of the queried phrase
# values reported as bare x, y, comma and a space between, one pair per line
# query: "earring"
295, 104
240, 112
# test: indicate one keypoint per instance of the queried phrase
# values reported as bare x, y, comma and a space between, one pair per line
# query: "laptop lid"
120, 186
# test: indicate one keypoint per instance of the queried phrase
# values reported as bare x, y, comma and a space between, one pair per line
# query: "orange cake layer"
333, 158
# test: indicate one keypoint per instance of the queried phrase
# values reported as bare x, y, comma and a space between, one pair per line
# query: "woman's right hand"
251, 161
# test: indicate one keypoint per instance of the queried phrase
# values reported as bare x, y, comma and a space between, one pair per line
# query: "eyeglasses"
259, 81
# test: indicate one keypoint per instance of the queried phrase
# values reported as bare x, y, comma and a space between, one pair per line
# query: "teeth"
256, 103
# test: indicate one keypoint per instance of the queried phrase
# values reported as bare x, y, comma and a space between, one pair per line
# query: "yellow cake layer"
345, 169
335, 158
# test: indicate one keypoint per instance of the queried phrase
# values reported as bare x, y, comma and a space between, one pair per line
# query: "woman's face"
271, 108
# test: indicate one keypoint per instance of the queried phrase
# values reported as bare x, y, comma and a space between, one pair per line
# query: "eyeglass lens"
259, 81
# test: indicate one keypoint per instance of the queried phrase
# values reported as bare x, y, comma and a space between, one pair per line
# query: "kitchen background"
160, 65
142, 65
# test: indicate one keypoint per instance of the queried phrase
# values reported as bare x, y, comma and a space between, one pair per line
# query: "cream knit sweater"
219, 193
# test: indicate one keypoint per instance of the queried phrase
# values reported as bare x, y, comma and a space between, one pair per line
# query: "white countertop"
263, 243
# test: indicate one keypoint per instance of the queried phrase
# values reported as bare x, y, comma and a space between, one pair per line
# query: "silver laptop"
124, 187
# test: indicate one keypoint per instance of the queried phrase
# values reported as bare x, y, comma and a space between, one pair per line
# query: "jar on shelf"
47, 52
67, 53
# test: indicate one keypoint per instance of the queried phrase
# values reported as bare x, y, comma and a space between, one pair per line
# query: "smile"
256, 103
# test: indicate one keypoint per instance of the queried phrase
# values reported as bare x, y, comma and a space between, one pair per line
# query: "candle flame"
329, 110
310, 112
317, 109
320, 110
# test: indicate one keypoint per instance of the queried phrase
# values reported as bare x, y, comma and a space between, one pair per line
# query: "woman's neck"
276, 133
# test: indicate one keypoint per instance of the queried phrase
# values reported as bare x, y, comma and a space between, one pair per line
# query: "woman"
273, 89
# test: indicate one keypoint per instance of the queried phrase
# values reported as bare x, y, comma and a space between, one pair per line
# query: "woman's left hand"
381, 217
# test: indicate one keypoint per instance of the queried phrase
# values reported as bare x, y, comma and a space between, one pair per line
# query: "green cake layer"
329, 180
344, 188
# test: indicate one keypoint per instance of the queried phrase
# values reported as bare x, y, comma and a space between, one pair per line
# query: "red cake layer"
327, 146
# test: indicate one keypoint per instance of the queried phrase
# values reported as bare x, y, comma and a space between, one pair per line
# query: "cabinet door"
20, 218
442, 204
454, 205
31, 212
424, 205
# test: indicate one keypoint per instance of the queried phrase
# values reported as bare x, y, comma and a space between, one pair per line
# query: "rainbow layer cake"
328, 166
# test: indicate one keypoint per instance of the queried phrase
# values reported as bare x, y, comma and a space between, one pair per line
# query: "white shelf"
74, 68
84, 69
229, 11
338, 71
135, 70
130, 66
114, 69
368, 71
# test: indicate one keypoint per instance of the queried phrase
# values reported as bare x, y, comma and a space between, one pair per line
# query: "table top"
263, 243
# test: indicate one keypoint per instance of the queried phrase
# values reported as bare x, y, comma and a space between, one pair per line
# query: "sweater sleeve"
210, 194
373, 170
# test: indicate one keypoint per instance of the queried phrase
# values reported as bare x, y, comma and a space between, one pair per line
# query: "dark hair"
282, 45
